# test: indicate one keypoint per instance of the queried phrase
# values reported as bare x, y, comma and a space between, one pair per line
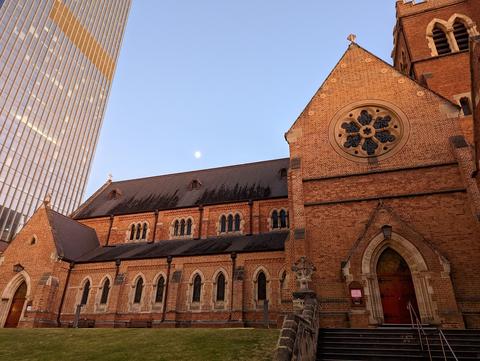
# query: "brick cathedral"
380, 194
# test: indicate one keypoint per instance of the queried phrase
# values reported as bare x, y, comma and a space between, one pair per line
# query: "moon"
197, 154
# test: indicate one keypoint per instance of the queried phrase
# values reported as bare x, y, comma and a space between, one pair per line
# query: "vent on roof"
461, 35
441, 41
115, 194
194, 184
283, 173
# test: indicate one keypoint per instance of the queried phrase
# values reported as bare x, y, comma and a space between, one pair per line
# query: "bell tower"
431, 45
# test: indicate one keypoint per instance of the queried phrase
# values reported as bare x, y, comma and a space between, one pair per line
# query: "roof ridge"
406, 76
70, 219
201, 170
353, 44
91, 198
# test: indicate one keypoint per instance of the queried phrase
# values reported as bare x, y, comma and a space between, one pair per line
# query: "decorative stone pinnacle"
47, 200
303, 269
352, 38
109, 177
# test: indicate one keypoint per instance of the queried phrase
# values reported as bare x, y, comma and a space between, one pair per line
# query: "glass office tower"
57, 61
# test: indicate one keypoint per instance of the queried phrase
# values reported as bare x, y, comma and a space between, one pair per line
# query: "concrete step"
393, 343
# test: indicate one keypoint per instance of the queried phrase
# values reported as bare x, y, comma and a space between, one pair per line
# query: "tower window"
465, 104
461, 35
441, 41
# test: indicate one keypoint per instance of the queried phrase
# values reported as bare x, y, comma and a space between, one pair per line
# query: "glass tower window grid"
117, 41
70, 143
47, 87
78, 163
8, 134
47, 165
93, 144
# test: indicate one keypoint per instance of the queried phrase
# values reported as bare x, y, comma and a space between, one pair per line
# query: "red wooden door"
396, 287
16, 307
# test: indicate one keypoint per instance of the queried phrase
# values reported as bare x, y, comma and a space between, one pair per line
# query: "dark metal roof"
3, 246
191, 247
72, 238
253, 181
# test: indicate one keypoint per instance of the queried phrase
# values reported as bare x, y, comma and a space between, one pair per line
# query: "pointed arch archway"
419, 274
15, 296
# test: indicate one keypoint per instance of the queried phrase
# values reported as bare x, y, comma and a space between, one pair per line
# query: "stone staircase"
395, 343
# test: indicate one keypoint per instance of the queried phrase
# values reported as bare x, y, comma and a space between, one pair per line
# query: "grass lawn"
137, 344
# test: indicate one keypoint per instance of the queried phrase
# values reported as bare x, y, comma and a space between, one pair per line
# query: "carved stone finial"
109, 177
352, 38
304, 270
48, 199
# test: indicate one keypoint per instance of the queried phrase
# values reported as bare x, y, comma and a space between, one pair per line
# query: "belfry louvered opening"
461, 35
441, 41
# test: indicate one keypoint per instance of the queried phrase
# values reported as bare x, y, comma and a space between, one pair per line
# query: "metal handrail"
443, 340
415, 320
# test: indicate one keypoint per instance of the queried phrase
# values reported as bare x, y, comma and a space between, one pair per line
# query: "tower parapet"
410, 7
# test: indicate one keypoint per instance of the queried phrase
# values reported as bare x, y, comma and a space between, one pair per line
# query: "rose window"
368, 131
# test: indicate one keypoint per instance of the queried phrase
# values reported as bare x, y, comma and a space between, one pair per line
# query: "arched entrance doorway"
16, 307
396, 287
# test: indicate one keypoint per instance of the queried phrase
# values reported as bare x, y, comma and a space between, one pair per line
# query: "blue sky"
226, 78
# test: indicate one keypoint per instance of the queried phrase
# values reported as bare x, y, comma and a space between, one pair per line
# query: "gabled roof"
253, 181
72, 239
266, 242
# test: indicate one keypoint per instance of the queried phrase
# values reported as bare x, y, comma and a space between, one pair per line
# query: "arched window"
237, 222
223, 224
138, 290
275, 219
441, 41
261, 287
461, 35
144, 231
139, 230
279, 219
283, 218
105, 291
132, 232
160, 289
230, 223
176, 228
197, 288
465, 104
86, 291
182, 227
220, 287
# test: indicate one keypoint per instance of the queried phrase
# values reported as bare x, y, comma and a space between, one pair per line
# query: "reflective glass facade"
57, 60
